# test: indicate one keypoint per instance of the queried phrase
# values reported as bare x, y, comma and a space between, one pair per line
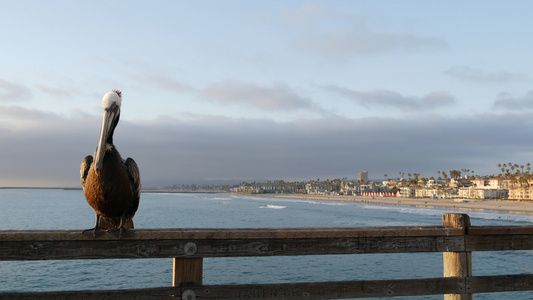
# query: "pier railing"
456, 239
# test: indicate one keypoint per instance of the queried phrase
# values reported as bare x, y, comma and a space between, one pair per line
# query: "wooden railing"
456, 239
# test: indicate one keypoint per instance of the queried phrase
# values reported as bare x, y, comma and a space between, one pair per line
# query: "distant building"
407, 192
482, 193
362, 177
433, 182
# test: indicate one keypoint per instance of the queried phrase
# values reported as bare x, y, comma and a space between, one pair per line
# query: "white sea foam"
273, 206
474, 214
332, 203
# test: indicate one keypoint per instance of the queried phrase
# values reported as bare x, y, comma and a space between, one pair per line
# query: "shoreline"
504, 206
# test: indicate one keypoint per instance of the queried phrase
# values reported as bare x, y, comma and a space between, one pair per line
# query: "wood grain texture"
166, 248
187, 271
169, 243
458, 263
455, 239
234, 233
306, 290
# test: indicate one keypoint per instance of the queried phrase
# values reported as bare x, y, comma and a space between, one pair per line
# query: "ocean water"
67, 209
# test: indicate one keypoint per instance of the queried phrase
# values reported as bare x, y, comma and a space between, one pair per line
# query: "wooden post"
457, 264
187, 271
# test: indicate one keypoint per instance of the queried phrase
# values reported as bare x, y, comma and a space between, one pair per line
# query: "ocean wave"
271, 206
331, 203
488, 215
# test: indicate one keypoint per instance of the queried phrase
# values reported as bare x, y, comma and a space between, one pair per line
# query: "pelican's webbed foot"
96, 230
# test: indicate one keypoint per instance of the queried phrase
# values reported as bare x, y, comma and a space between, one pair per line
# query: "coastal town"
514, 182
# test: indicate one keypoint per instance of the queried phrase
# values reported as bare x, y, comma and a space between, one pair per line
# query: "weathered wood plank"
286, 291
501, 230
252, 233
187, 271
500, 283
109, 249
63, 244
190, 246
499, 242
140, 294
457, 264
307, 290
332, 290
232, 233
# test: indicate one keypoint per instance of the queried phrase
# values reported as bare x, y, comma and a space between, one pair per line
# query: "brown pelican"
111, 185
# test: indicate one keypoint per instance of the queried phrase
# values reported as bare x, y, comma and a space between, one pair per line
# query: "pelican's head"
111, 104
112, 98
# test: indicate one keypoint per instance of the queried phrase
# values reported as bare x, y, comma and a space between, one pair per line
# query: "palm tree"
455, 174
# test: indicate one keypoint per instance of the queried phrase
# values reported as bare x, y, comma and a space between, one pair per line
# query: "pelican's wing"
135, 180
84, 169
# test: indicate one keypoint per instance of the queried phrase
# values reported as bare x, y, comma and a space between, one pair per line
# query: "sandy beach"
506, 206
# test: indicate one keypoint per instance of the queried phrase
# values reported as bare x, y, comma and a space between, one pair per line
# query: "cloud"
307, 15
506, 101
276, 97
11, 92
197, 148
164, 82
42, 148
329, 33
54, 92
147, 74
387, 98
480, 76
346, 42
20, 118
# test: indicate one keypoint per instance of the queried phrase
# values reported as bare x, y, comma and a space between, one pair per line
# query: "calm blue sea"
67, 209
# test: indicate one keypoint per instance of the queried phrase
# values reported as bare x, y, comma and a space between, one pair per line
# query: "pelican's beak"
108, 123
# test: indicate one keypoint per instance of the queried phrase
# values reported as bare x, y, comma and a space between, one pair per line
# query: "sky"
231, 91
